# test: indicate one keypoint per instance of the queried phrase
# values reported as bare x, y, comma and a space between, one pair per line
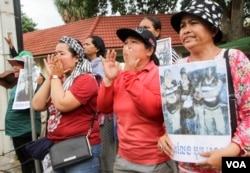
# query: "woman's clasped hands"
54, 66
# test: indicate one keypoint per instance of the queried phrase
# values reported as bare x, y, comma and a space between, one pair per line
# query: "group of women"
72, 96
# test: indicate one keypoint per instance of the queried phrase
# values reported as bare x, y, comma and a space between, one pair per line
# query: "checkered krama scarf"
83, 65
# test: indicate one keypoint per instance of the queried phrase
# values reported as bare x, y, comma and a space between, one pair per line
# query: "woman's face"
135, 49
195, 32
147, 24
17, 66
89, 48
68, 60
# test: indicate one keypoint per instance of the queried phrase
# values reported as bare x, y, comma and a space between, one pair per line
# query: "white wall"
7, 25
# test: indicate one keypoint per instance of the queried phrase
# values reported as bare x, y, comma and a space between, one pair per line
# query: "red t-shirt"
65, 125
136, 101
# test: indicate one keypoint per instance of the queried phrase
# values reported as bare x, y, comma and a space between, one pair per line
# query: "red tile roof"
42, 42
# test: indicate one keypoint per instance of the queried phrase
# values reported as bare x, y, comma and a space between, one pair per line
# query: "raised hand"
8, 40
110, 66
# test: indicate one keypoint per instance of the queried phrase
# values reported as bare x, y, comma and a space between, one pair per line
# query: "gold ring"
160, 147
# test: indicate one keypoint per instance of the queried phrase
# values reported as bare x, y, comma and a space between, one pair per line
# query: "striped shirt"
175, 56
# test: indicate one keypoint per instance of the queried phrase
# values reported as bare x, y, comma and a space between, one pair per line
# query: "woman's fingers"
111, 55
165, 145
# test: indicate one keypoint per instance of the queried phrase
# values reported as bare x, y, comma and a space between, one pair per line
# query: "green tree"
27, 24
234, 11
124, 7
73, 10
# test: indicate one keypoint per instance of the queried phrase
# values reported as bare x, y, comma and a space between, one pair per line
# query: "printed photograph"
163, 51
195, 99
22, 95
195, 106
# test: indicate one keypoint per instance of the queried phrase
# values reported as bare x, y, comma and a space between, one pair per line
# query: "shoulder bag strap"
92, 124
232, 99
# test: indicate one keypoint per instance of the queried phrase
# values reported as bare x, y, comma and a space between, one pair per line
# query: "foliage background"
236, 16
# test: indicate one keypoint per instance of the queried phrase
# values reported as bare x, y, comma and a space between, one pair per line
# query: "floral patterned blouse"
240, 70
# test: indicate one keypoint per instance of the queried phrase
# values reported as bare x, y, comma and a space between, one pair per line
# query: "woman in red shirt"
133, 94
69, 94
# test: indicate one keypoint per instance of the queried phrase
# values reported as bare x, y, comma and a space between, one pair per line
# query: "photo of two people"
195, 103
195, 99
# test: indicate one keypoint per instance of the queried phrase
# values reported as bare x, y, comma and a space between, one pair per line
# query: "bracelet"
54, 77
